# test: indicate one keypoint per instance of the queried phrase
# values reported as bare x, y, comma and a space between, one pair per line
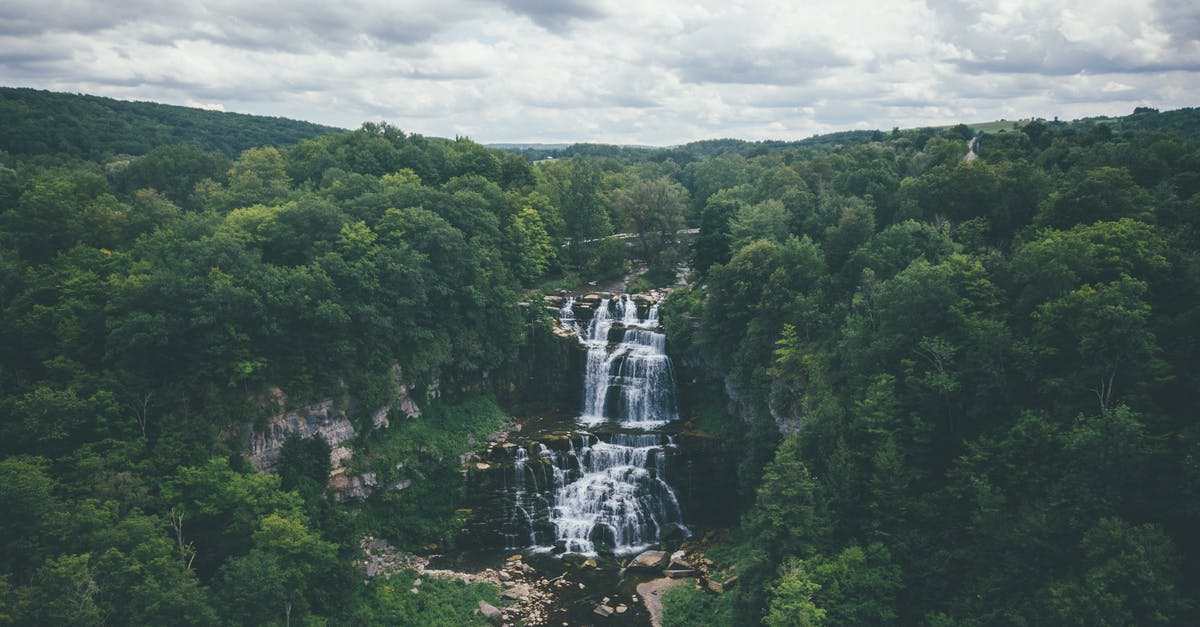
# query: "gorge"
600, 482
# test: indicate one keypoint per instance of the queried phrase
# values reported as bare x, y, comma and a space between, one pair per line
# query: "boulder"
574, 559
516, 592
679, 573
648, 560
714, 587
489, 611
603, 610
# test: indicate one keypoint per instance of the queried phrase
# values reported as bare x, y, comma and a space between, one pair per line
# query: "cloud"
555, 15
650, 73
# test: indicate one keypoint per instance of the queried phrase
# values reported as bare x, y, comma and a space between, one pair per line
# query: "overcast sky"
644, 71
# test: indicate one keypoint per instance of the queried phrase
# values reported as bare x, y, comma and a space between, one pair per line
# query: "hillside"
35, 122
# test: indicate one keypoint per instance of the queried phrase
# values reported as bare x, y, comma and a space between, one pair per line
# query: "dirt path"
652, 593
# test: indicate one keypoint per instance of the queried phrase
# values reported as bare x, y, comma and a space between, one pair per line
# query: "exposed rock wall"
322, 419
325, 419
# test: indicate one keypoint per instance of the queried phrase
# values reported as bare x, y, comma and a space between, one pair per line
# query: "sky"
652, 72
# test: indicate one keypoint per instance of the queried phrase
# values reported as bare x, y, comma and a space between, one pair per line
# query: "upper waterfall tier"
629, 382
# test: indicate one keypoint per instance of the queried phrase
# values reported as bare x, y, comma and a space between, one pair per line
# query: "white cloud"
659, 73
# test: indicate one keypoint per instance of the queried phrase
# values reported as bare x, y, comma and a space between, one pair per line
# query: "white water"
618, 497
613, 493
608, 490
631, 383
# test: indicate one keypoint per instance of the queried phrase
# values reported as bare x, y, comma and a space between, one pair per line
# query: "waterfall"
632, 383
603, 485
598, 492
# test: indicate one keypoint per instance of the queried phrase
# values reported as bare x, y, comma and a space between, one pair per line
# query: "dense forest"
963, 387
91, 127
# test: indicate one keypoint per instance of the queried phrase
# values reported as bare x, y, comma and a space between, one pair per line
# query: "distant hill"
36, 122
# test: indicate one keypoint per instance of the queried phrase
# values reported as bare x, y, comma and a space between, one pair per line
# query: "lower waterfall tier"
591, 495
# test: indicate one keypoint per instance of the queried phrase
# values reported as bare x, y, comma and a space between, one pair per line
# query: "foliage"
33, 123
687, 605
963, 393
391, 601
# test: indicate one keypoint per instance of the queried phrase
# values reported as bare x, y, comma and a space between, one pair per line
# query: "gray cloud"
1181, 19
743, 66
651, 73
555, 15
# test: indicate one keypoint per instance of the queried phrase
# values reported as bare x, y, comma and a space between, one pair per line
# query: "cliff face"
321, 419
324, 419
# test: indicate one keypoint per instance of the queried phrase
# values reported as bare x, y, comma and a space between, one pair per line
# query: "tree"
529, 246
304, 465
713, 244
790, 512
854, 228
857, 587
174, 170
1130, 577
27, 489
766, 220
1100, 194
792, 600
63, 592
258, 177
653, 209
1093, 334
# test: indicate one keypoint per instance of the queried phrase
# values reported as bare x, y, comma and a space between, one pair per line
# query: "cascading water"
631, 384
604, 491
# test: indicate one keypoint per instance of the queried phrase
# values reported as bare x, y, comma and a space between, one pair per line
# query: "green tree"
174, 170
790, 512
766, 220
1100, 194
1129, 577
1093, 334
258, 177
26, 524
63, 592
529, 246
713, 244
584, 213
654, 210
858, 587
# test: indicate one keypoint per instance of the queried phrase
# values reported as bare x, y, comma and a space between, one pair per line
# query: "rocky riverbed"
541, 589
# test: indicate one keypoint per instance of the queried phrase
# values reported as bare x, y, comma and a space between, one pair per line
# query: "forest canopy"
963, 390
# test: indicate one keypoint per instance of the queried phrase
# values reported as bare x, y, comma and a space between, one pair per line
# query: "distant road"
631, 236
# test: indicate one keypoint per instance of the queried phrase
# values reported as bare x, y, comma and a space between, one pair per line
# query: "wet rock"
648, 561
574, 559
673, 533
